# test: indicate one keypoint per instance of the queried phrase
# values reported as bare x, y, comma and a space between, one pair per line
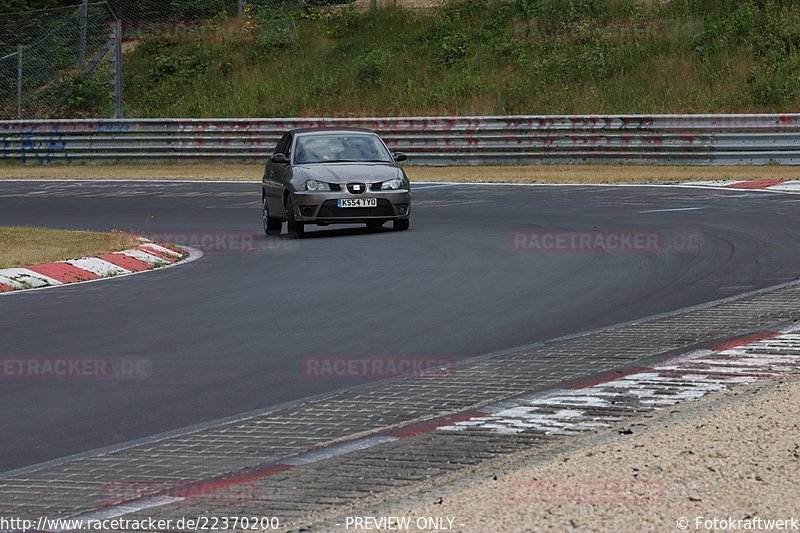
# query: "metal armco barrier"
655, 139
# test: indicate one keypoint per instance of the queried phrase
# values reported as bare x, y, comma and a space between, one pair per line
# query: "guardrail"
655, 139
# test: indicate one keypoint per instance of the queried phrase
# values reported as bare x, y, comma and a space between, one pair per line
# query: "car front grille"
357, 188
330, 210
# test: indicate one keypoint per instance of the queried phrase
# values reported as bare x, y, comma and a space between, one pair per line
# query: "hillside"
475, 57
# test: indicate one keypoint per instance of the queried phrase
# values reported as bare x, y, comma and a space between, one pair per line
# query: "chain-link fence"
143, 18
406, 4
358, 4
38, 75
147, 17
43, 53
132, 11
23, 28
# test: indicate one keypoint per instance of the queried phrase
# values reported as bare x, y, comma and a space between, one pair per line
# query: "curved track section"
485, 268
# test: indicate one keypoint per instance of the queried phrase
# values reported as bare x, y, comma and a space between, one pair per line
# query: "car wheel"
272, 226
401, 224
294, 227
375, 225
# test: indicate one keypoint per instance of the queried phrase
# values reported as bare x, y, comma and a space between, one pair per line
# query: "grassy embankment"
475, 57
24, 246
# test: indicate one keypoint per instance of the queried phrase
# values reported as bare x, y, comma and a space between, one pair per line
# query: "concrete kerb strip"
147, 257
567, 448
771, 185
730, 367
685, 375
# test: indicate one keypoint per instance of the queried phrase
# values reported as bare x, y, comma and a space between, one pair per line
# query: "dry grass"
598, 174
23, 246
199, 171
486, 174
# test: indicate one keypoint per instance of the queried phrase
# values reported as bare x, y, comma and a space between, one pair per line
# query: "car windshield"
340, 148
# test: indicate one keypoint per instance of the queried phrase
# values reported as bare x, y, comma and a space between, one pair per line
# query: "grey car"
328, 176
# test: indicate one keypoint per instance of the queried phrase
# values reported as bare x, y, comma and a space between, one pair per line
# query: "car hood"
347, 172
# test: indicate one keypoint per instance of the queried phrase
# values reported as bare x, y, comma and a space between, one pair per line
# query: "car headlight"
393, 185
316, 186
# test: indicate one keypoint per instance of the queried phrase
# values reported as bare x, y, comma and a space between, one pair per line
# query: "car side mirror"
280, 159
399, 156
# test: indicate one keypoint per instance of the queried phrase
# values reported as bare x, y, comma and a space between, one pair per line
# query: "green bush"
370, 66
91, 97
480, 57
276, 34
453, 49
163, 65
197, 9
776, 85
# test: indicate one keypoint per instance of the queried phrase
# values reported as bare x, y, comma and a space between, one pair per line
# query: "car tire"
375, 225
272, 226
295, 228
401, 224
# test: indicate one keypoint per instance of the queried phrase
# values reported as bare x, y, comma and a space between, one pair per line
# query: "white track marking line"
123, 509
144, 256
11, 283
715, 183
684, 378
22, 278
336, 450
444, 203
789, 186
97, 266
423, 186
671, 210
162, 249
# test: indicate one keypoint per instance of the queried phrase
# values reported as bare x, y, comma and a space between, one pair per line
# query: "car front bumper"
321, 207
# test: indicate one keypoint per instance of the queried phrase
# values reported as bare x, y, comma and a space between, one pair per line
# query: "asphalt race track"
226, 334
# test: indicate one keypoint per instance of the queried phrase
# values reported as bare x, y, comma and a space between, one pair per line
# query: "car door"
273, 189
283, 172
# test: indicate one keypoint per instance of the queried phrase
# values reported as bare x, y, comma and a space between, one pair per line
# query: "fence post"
373, 5
19, 81
84, 24
240, 7
118, 69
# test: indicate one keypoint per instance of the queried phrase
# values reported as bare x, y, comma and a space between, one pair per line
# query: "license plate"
358, 202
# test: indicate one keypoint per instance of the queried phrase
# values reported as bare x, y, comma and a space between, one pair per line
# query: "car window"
287, 149
328, 148
280, 148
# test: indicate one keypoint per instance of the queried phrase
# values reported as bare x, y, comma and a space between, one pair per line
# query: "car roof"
330, 130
